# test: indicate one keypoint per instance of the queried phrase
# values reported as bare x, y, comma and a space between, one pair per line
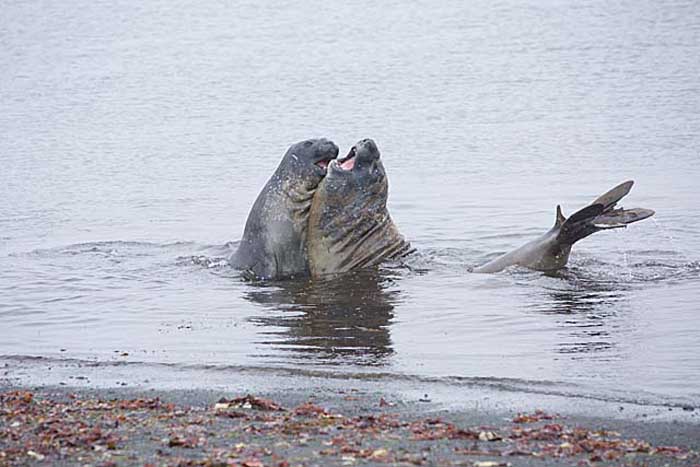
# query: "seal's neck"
341, 241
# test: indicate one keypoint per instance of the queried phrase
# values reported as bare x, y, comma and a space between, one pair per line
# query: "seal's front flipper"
618, 218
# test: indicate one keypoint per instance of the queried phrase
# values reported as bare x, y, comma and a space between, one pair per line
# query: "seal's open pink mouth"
348, 162
322, 164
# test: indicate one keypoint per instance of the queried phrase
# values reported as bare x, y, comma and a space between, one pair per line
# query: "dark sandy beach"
308, 427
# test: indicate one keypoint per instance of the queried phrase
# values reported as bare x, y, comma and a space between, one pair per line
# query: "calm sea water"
135, 137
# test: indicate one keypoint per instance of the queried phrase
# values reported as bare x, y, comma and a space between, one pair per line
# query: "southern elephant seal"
551, 251
349, 224
274, 240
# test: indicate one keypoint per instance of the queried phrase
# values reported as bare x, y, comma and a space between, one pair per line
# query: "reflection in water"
340, 319
587, 306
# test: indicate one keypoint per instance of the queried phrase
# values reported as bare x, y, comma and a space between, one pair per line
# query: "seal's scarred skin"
274, 240
349, 226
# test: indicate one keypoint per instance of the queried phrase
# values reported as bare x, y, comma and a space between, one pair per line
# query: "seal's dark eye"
307, 144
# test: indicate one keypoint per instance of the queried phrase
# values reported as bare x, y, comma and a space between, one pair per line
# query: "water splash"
204, 261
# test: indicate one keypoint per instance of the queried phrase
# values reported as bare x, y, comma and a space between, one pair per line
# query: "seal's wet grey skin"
274, 240
551, 251
349, 225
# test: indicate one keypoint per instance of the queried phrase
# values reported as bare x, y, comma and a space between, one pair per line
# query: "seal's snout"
367, 150
327, 151
364, 151
330, 148
369, 145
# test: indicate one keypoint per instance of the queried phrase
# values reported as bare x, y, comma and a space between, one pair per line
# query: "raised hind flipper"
551, 250
601, 214
621, 218
610, 198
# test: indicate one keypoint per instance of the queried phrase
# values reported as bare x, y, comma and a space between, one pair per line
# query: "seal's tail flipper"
580, 224
610, 198
600, 215
617, 218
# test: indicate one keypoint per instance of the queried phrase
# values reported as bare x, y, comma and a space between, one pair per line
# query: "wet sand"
315, 427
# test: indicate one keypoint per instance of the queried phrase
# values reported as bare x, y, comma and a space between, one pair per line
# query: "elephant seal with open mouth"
274, 240
349, 224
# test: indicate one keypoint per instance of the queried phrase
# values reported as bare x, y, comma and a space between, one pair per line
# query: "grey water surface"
134, 137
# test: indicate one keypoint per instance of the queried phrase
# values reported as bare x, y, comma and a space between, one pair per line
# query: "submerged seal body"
274, 239
349, 224
550, 251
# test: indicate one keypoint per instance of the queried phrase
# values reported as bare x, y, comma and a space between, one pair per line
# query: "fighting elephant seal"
551, 251
274, 239
349, 224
